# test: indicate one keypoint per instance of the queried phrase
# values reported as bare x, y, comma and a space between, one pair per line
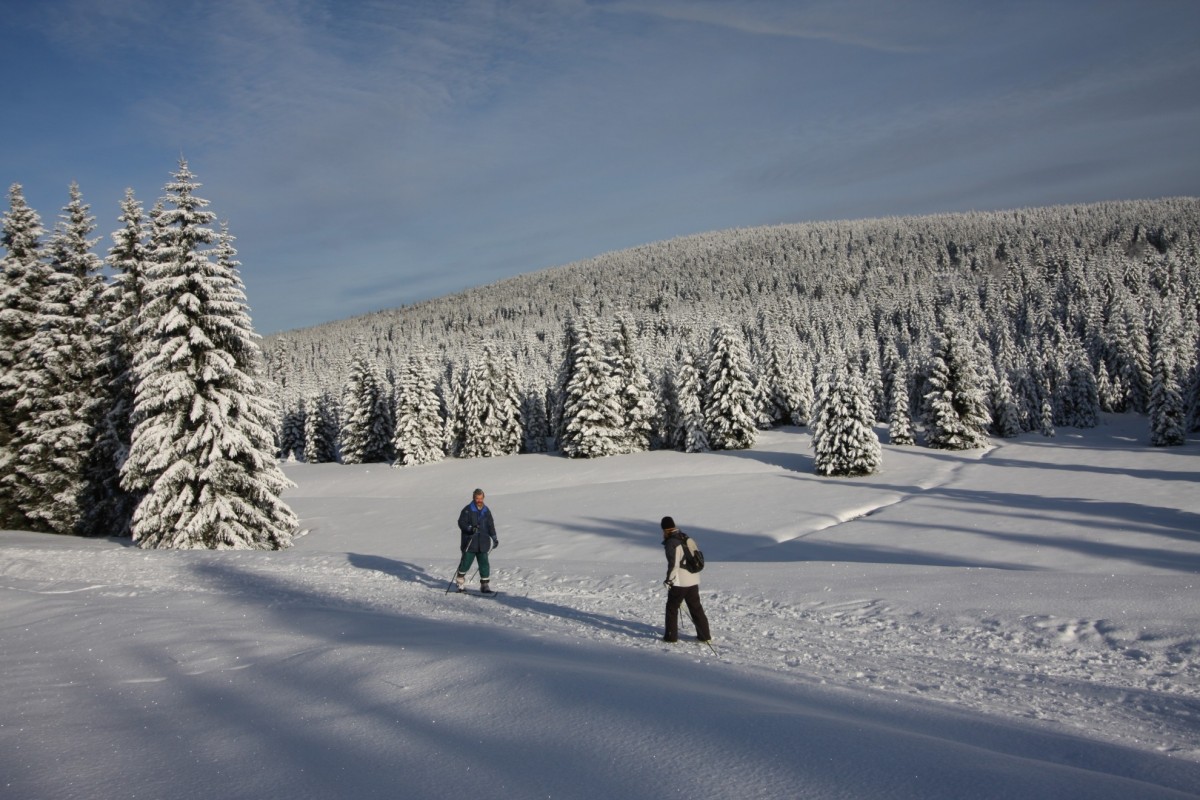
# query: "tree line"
944, 330
135, 398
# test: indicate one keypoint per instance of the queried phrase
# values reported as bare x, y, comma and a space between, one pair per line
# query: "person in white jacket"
682, 586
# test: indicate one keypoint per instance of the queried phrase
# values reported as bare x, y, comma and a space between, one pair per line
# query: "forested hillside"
954, 326
136, 400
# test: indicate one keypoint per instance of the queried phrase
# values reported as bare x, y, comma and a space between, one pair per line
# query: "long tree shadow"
793, 462
727, 546
399, 569
1192, 476
1113, 516
411, 572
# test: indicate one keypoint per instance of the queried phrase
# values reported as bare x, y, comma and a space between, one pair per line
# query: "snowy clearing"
1016, 622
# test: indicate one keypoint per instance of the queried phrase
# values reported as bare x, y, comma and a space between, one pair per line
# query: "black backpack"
693, 557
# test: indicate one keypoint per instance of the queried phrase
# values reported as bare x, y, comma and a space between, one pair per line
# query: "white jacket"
673, 546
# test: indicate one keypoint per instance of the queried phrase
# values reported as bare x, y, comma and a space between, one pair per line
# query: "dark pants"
485, 569
678, 595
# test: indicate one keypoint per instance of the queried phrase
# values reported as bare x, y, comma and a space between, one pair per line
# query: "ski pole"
709, 642
468, 547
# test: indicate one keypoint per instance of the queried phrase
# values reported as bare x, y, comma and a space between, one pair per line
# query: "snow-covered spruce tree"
556, 410
24, 277
776, 385
794, 392
486, 415
1081, 397
690, 435
1192, 400
956, 413
1166, 408
593, 418
512, 431
202, 454
668, 408
537, 426
729, 410
63, 391
900, 428
110, 507
1109, 391
451, 391
291, 431
761, 394
1134, 357
639, 404
1006, 415
872, 378
367, 424
321, 430
419, 425
844, 440
1047, 417
805, 397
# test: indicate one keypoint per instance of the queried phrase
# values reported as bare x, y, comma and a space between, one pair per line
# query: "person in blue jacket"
478, 529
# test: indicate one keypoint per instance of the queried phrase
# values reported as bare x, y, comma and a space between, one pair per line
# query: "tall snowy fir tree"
202, 454
512, 432
844, 441
291, 431
24, 277
321, 429
729, 407
367, 422
900, 431
690, 435
63, 392
956, 413
776, 387
593, 417
556, 409
418, 436
488, 409
1133, 357
536, 431
804, 398
1006, 416
637, 398
1192, 400
1165, 407
111, 507
794, 388
1081, 398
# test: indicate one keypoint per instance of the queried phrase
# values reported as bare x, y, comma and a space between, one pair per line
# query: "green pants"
464, 566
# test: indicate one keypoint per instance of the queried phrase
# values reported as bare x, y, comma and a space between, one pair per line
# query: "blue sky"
372, 154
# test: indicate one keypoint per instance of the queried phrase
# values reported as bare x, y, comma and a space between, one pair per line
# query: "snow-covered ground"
1017, 623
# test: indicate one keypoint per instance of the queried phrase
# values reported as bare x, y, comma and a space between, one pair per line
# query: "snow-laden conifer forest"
135, 404
948, 328
140, 402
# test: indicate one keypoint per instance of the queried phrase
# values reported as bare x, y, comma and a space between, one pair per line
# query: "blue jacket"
478, 529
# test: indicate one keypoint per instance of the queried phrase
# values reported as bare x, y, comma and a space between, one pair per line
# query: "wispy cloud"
881, 25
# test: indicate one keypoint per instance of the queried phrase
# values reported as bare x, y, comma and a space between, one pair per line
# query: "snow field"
1015, 622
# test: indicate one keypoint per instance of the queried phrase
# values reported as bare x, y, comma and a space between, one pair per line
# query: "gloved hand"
669, 583
495, 543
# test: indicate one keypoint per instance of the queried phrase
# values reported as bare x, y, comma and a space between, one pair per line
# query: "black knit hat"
667, 523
